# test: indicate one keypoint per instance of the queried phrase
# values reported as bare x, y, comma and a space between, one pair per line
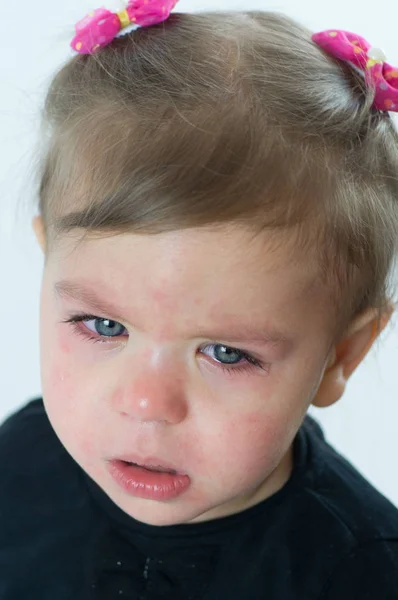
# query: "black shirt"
326, 535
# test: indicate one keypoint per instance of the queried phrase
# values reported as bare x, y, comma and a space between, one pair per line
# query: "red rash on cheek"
242, 429
61, 386
64, 346
117, 399
256, 434
63, 339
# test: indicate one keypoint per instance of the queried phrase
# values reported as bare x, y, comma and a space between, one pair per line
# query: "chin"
160, 514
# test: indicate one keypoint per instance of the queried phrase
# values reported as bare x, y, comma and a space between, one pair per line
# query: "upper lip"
150, 462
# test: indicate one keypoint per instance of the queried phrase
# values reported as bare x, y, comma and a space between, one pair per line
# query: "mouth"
150, 479
150, 463
153, 468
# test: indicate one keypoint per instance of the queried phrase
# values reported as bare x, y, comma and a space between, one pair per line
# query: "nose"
152, 396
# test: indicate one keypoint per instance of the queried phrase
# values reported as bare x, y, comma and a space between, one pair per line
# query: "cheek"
59, 396
64, 345
60, 386
243, 448
61, 373
61, 382
255, 439
71, 417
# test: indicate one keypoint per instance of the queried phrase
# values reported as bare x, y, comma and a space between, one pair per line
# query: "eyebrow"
73, 290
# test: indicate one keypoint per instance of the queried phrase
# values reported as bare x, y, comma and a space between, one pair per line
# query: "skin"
158, 387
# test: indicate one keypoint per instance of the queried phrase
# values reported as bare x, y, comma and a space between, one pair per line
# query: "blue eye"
231, 360
107, 327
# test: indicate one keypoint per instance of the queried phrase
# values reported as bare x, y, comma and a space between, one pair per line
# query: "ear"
348, 353
40, 231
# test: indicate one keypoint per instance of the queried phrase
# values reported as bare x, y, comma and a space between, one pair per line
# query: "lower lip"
151, 485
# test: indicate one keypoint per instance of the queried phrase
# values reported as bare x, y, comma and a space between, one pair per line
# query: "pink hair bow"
99, 28
355, 49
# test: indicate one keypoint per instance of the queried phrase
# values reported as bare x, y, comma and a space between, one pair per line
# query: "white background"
34, 42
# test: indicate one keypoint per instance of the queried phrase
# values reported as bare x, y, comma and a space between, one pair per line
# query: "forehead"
225, 272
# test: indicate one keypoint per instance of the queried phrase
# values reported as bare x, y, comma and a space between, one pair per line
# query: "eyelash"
252, 364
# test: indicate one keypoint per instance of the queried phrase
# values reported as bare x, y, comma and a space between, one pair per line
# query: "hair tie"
100, 27
354, 49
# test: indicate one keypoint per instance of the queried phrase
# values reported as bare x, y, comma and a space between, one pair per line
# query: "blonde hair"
226, 117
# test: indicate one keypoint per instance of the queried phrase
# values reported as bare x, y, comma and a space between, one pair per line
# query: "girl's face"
203, 348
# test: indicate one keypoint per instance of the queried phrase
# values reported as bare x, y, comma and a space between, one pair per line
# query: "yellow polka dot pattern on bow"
124, 18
